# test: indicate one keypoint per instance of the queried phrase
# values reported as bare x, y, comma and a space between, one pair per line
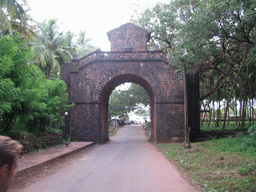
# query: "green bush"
252, 130
28, 101
244, 170
244, 144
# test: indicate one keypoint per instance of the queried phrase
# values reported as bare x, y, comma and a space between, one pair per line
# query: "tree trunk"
217, 121
236, 111
245, 96
230, 94
240, 102
228, 116
243, 114
252, 113
213, 107
210, 114
219, 110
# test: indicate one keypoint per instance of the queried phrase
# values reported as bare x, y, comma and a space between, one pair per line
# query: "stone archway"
110, 86
92, 78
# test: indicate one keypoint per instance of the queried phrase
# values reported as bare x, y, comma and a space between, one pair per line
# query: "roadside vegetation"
32, 96
215, 39
225, 164
30, 103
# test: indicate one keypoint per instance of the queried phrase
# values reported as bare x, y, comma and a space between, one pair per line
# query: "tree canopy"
121, 102
28, 101
214, 38
14, 18
10, 10
48, 49
30, 55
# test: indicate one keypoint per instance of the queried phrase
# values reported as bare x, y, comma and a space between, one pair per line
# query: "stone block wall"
32, 142
170, 122
85, 122
128, 35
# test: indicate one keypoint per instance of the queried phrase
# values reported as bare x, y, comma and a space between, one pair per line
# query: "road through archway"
127, 163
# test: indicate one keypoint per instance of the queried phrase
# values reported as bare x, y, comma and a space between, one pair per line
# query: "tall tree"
49, 49
14, 18
10, 10
28, 102
79, 47
216, 39
211, 35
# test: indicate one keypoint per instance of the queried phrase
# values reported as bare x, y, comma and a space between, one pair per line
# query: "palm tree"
49, 49
13, 18
26, 30
81, 46
10, 10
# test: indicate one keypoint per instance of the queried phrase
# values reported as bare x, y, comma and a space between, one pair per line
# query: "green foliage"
242, 144
28, 102
10, 10
252, 130
52, 47
14, 18
212, 169
245, 169
81, 46
215, 38
227, 164
231, 126
49, 51
121, 102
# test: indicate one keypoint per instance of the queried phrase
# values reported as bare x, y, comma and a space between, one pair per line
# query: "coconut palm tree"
49, 50
79, 47
13, 18
23, 27
10, 10
83, 46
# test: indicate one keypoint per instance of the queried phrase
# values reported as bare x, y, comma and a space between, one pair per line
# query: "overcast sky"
96, 17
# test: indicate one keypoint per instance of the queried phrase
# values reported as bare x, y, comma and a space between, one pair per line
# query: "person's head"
9, 153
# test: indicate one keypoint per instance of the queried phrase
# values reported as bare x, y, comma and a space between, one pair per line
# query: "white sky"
96, 17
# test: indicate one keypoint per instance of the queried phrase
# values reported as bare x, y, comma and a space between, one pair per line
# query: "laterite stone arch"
92, 78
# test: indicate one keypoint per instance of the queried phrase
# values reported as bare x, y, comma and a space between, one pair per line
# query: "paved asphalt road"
127, 163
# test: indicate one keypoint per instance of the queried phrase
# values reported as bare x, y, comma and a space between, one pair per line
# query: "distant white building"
139, 118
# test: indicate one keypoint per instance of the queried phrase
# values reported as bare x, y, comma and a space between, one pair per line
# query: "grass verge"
227, 164
228, 126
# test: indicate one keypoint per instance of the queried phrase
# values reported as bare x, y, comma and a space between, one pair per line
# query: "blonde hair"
9, 151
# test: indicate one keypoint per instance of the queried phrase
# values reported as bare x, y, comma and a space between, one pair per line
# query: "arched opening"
107, 90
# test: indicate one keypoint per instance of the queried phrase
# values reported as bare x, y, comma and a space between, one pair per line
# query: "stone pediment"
129, 37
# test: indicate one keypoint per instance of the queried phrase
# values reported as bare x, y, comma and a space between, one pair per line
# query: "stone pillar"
85, 122
170, 122
193, 105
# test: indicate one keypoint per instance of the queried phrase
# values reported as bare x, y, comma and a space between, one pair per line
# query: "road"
128, 162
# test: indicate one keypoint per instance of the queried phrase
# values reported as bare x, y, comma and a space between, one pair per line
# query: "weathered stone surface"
128, 37
91, 80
